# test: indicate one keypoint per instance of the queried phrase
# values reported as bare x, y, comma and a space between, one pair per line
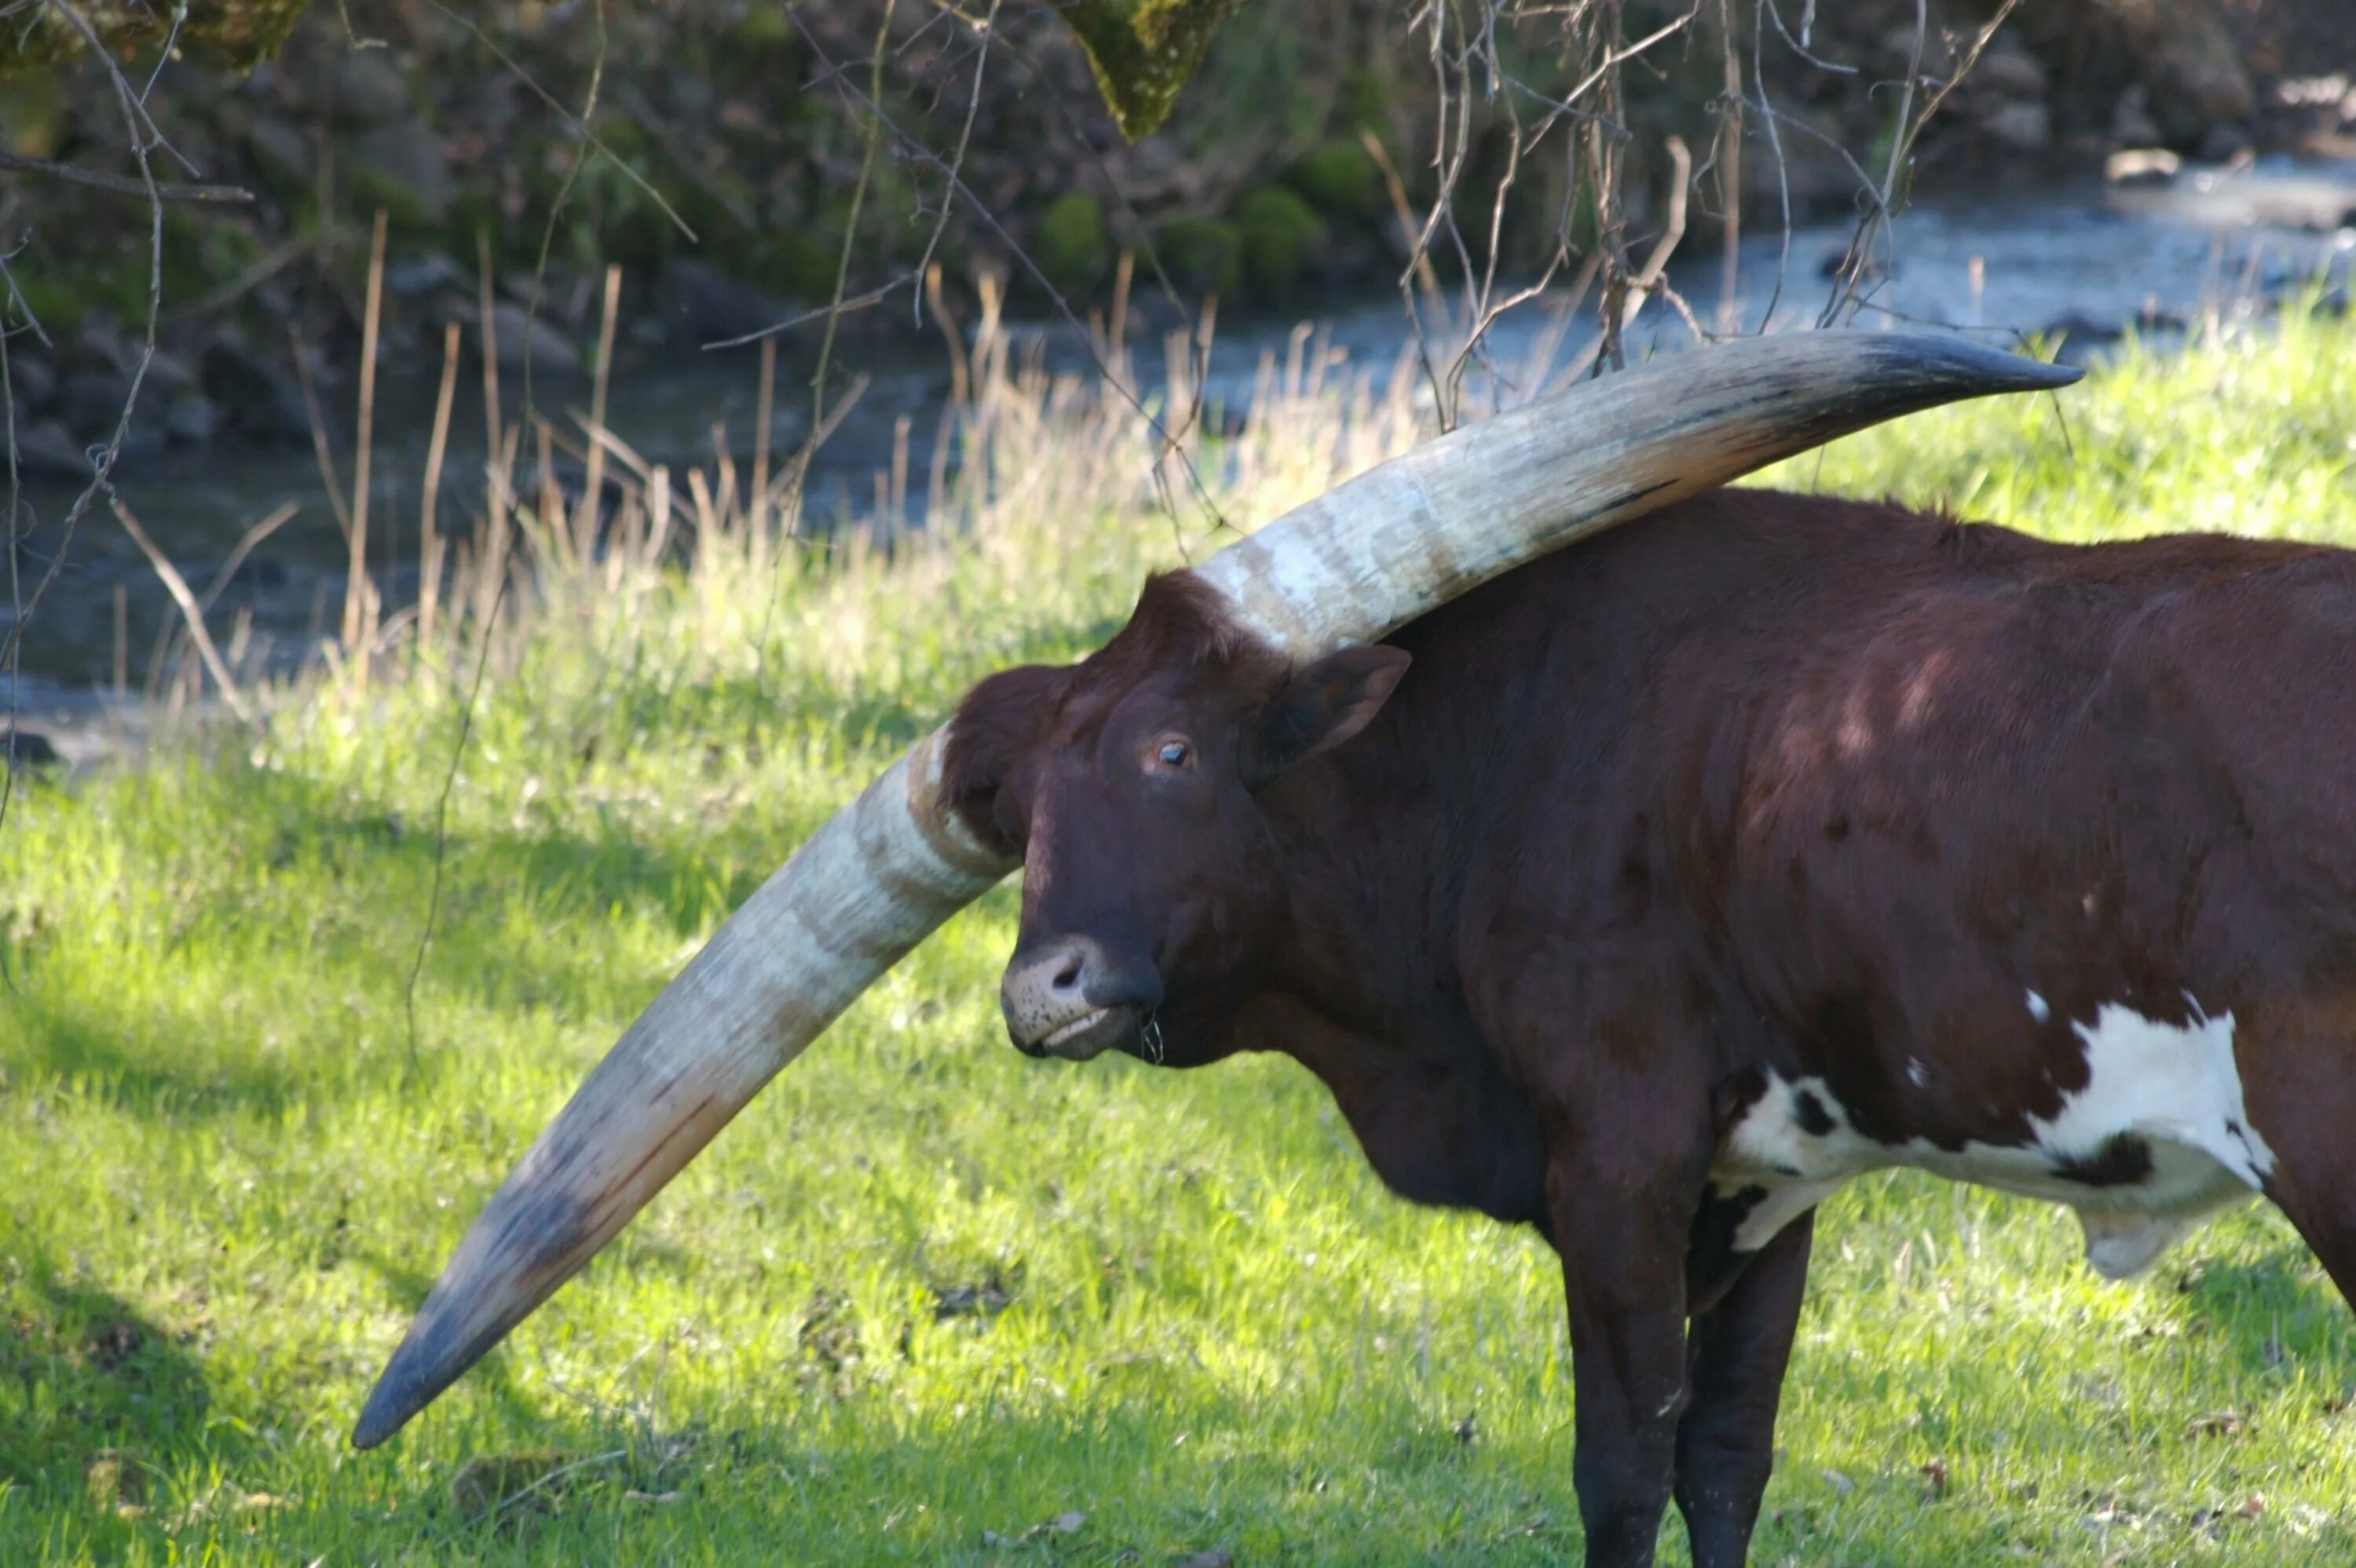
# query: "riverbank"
931, 1301
2077, 269
726, 158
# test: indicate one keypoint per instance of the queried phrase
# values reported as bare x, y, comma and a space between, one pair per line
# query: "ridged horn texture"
863, 890
1353, 565
1371, 555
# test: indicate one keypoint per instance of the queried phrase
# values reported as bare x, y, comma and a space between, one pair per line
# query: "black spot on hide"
2121, 1161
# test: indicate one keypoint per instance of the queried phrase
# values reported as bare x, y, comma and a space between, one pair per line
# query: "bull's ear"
999, 720
1321, 706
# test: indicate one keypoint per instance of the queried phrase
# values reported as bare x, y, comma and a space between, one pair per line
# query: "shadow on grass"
2270, 1307
97, 1402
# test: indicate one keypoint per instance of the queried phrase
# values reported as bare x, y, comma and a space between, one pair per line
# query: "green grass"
926, 1297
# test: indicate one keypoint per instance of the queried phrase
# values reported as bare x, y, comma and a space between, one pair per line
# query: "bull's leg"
1737, 1352
1621, 1236
2304, 1108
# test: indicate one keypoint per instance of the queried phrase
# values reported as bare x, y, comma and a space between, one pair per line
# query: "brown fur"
1760, 784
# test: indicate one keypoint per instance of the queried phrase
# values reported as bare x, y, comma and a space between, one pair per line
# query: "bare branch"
580, 124
164, 190
178, 587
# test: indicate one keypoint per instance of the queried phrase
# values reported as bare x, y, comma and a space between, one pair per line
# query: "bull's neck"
1360, 842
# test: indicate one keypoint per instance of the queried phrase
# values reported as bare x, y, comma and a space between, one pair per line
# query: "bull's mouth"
1091, 1033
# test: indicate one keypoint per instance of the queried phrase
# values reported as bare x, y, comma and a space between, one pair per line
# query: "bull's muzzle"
1071, 997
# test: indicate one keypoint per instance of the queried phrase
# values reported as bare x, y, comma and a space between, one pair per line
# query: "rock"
2131, 121
2224, 144
101, 345
26, 749
1897, 47
408, 280
1283, 240
2154, 167
1820, 179
2198, 84
46, 449
32, 384
2009, 73
1202, 256
92, 402
285, 155
1339, 178
191, 420
167, 373
696, 302
257, 400
369, 89
1070, 243
2021, 126
513, 333
402, 168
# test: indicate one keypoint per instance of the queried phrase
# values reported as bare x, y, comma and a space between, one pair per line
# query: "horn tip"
1988, 370
427, 1363
385, 1413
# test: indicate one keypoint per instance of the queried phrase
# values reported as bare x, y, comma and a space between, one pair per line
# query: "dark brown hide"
1762, 785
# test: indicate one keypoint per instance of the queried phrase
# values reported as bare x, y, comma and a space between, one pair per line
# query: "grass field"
929, 1301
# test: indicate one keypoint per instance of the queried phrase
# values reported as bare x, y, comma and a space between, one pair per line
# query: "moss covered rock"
1202, 256
1283, 238
1364, 101
1339, 179
1070, 244
1143, 51
247, 31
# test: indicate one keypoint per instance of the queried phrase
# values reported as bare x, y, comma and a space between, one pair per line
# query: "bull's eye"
1174, 755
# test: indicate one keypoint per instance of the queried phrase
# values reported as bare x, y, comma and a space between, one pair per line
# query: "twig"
116, 184
103, 475
429, 544
1801, 49
1878, 215
178, 587
681, 157
580, 124
218, 584
558, 1474
1730, 175
358, 623
320, 448
23, 306
859, 302
956, 160
483, 630
1908, 132
16, 585
1783, 165
255, 276
917, 153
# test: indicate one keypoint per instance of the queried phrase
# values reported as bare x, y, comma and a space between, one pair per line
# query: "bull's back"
1929, 797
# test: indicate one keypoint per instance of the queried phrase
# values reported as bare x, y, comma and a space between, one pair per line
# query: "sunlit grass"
927, 1300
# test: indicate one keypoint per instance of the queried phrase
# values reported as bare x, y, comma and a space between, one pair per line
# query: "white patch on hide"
2037, 1007
2175, 1087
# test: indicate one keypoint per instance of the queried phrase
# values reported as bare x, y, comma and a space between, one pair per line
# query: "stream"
2092, 261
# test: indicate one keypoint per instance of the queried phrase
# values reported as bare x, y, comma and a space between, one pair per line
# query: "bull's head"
1127, 785
1146, 738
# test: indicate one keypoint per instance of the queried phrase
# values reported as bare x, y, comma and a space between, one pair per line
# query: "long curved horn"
875, 880
1366, 558
1370, 555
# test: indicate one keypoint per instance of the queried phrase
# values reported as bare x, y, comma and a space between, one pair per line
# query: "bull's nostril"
1068, 975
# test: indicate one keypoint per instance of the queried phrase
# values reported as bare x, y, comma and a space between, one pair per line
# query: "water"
2093, 258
